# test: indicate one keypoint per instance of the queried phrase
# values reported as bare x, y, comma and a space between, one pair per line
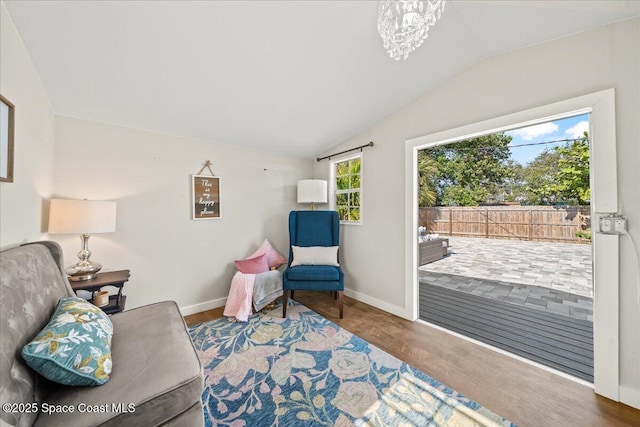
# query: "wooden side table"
112, 278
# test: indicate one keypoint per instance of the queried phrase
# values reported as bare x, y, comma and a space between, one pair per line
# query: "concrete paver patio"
556, 277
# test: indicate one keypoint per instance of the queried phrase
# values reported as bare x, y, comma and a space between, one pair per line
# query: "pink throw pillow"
274, 259
253, 265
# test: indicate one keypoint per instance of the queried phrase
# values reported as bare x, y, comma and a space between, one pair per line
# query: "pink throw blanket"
240, 296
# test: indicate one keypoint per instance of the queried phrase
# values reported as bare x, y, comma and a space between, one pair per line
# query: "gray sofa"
156, 371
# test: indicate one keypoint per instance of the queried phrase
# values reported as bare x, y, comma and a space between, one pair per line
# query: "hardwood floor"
524, 394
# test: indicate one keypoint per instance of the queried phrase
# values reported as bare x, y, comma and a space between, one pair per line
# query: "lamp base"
81, 278
84, 269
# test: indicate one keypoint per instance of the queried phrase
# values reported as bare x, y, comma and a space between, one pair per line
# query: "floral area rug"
306, 370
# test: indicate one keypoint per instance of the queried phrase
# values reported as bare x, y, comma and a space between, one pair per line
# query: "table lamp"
85, 217
312, 191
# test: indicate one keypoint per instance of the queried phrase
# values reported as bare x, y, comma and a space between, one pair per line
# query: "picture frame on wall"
7, 131
205, 191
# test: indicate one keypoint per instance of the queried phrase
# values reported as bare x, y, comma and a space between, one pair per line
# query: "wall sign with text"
206, 196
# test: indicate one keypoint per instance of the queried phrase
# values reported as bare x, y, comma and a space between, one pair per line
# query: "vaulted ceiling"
294, 77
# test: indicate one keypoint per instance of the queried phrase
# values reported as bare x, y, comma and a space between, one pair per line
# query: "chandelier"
404, 24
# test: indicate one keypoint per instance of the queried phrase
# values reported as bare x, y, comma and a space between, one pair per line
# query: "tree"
514, 187
471, 171
474, 171
572, 178
540, 178
427, 176
559, 176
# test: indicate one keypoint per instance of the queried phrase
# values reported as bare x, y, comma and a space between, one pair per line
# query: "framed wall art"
205, 197
7, 129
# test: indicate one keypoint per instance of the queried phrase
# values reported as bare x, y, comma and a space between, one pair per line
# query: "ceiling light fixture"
404, 24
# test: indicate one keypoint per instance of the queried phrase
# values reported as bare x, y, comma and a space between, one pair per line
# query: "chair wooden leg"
335, 294
285, 298
340, 303
291, 295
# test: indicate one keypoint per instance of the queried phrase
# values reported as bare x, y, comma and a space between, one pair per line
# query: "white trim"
506, 353
377, 303
203, 306
411, 230
630, 396
347, 156
604, 199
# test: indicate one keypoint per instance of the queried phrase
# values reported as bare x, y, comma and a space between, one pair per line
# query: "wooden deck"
556, 341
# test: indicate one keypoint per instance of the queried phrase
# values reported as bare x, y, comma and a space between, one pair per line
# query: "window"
348, 189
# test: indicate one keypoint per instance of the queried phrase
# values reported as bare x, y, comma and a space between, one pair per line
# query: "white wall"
23, 201
149, 175
608, 57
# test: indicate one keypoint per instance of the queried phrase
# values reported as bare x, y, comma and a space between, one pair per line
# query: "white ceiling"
294, 77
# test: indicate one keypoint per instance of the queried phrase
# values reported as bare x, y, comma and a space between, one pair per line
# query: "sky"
572, 127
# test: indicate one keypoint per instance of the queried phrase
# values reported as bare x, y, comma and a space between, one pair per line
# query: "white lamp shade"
81, 216
312, 191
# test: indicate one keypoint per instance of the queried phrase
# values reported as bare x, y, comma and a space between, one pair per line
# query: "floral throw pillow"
75, 346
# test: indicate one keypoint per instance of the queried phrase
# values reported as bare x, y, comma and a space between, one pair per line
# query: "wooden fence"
539, 223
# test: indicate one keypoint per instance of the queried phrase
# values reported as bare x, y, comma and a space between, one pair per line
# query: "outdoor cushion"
167, 378
313, 273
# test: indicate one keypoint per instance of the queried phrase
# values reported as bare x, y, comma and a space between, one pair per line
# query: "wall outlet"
606, 225
613, 224
620, 225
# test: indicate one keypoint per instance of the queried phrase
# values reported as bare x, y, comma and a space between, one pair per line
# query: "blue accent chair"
313, 228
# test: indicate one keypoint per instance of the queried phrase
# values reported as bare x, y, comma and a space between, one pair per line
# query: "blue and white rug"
306, 370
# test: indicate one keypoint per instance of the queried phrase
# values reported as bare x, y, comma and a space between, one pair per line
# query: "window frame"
333, 187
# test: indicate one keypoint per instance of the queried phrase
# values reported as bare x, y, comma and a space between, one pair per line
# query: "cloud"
531, 132
577, 130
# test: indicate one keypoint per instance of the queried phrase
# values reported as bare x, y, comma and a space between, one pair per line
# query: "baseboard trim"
382, 305
630, 396
203, 306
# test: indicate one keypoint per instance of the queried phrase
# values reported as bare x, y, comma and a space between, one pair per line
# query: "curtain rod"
370, 144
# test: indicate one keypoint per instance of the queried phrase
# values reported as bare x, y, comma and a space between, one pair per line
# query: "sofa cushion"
155, 370
75, 346
312, 273
31, 285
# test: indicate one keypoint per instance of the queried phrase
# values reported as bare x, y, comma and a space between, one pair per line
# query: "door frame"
604, 201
